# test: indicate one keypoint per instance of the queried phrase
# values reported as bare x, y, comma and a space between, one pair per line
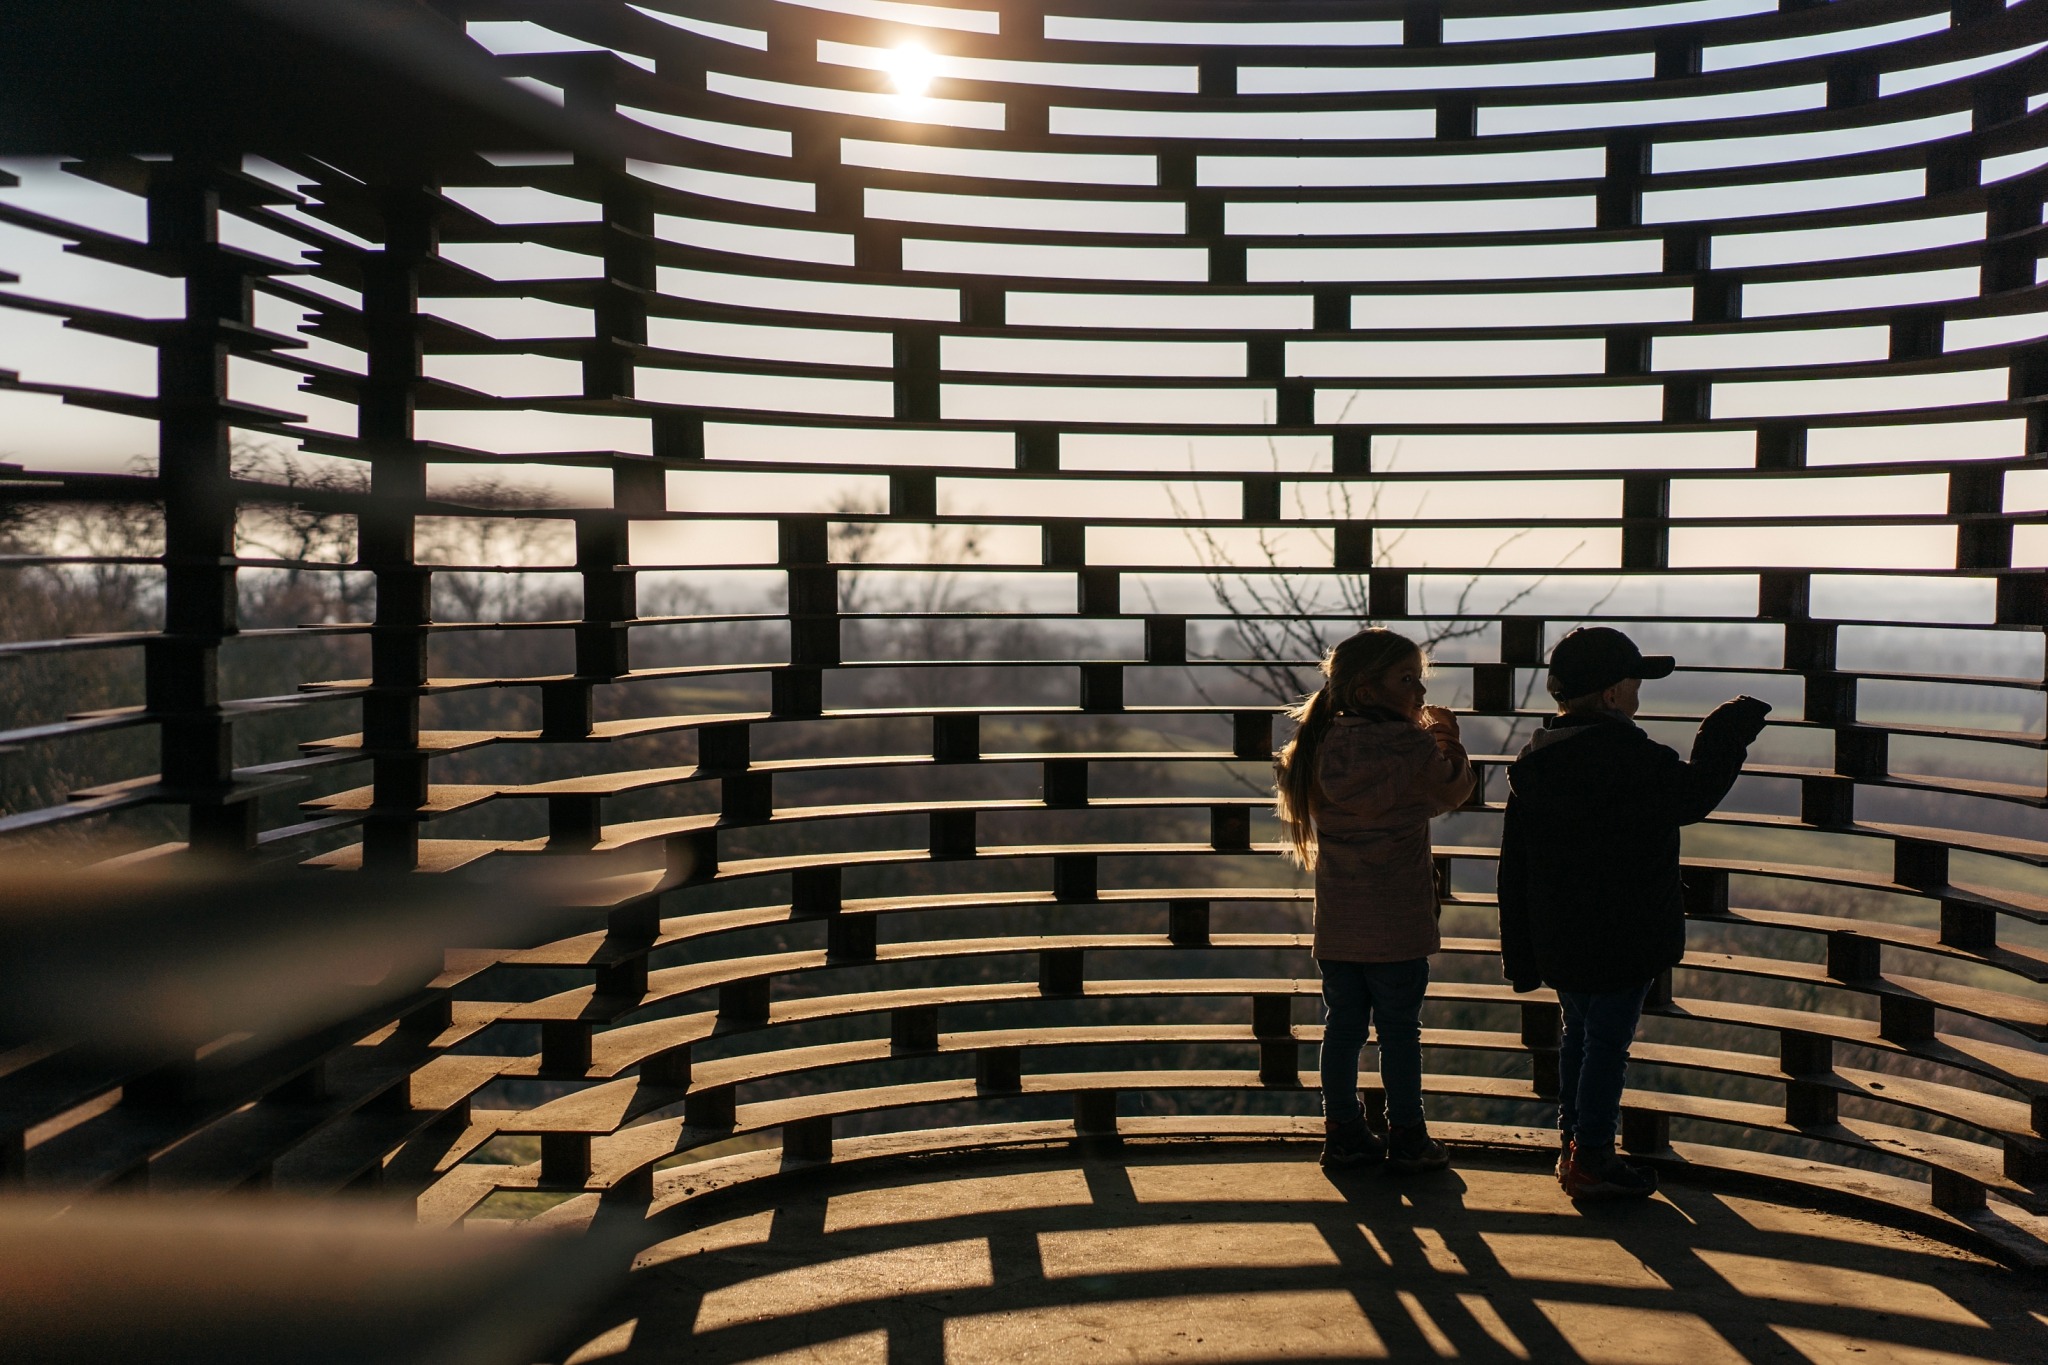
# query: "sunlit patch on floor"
1253, 1254
1222, 1327
831, 1284
1607, 1334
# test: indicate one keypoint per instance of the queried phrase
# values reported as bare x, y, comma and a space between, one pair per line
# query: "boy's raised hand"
1439, 718
1743, 717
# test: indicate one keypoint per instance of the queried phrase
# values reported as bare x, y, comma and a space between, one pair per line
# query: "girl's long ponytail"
1295, 771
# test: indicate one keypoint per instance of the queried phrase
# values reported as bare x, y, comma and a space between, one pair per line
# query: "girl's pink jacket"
1382, 778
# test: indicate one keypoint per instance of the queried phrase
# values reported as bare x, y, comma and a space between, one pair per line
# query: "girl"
1368, 767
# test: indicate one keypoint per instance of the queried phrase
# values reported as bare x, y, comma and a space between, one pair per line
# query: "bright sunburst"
912, 68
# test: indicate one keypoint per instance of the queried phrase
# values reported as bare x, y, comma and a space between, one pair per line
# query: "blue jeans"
1592, 1060
1357, 995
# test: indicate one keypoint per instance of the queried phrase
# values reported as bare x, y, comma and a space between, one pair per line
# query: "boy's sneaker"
1412, 1149
1600, 1174
1350, 1143
1564, 1162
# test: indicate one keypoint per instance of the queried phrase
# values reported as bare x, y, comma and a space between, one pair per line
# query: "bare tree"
295, 531
942, 616
487, 553
1280, 623
304, 528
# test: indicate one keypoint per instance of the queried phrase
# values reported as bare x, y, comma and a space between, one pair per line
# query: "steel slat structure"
867, 531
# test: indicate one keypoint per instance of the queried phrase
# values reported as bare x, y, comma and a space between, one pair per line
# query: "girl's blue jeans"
1358, 997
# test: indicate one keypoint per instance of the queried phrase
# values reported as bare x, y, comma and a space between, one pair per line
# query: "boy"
1589, 888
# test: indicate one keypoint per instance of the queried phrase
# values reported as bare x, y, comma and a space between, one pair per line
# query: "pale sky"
42, 432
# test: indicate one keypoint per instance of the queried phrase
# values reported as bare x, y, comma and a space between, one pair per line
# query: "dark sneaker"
1600, 1174
1412, 1149
1564, 1163
1351, 1143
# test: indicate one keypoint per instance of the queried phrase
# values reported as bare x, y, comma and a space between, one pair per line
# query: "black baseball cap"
1594, 658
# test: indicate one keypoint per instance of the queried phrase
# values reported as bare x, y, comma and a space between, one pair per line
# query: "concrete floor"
1198, 1254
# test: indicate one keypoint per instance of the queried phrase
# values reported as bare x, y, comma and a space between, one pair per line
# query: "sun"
912, 68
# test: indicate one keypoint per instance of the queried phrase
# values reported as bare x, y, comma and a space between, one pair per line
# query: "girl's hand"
1438, 718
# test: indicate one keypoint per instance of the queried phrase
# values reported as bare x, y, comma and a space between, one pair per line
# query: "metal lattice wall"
938, 488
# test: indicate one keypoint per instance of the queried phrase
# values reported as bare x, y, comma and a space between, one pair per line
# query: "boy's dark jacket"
1589, 888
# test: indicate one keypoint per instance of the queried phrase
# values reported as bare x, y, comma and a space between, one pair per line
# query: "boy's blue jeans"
1356, 996
1592, 1060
